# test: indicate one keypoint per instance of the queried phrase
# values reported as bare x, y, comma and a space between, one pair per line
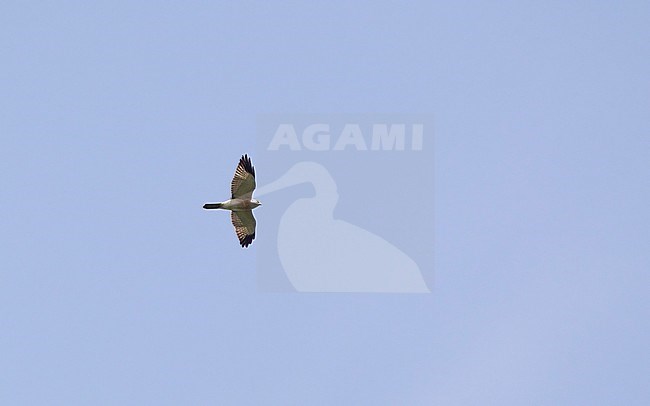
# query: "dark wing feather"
244, 223
243, 183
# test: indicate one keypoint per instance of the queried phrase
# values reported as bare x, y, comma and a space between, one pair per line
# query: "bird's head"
256, 202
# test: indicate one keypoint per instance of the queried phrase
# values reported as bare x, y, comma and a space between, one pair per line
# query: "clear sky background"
118, 120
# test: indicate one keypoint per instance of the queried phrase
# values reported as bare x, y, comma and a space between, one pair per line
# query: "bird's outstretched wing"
244, 223
243, 183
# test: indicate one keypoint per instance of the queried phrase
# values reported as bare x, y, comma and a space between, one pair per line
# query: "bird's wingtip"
245, 161
248, 240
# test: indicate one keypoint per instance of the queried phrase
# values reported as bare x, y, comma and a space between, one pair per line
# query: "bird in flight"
241, 203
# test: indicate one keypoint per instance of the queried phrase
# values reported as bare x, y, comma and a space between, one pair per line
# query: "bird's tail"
209, 206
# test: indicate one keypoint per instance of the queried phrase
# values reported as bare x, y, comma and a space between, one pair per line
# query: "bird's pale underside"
241, 202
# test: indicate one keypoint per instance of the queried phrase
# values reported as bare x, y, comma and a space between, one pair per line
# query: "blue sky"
118, 120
